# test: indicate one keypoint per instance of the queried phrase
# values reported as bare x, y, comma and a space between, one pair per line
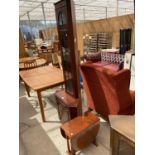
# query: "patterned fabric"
103, 56
94, 57
112, 57
107, 58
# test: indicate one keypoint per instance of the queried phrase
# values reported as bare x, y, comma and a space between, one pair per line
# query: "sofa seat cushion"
108, 65
113, 66
101, 63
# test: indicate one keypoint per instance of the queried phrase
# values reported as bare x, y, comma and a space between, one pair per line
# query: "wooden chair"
46, 53
30, 64
56, 46
56, 50
59, 60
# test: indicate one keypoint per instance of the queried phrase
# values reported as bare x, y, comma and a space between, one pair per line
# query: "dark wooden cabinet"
65, 19
125, 40
68, 45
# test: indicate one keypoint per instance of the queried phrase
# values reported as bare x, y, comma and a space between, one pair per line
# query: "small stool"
80, 132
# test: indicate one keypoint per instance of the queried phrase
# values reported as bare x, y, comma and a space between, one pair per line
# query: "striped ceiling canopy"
85, 9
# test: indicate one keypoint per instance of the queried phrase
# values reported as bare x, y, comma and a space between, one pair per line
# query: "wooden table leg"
41, 106
68, 146
27, 89
72, 151
114, 142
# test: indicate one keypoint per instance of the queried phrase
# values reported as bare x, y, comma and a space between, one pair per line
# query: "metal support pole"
84, 46
42, 4
117, 7
84, 18
106, 12
28, 15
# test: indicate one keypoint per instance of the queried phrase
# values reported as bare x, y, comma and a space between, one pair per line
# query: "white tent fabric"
85, 9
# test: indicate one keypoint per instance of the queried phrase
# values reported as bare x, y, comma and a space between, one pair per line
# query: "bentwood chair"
30, 64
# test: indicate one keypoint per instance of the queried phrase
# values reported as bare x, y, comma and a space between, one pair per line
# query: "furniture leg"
41, 105
114, 142
52, 58
68, 146
62, 86
72, 151
27, 89
95, 143
59, 113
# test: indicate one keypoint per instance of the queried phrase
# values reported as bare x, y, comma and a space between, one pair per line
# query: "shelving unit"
93, 42
104, 40
97, 41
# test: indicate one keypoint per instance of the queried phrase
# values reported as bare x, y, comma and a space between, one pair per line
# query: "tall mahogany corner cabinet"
69, 100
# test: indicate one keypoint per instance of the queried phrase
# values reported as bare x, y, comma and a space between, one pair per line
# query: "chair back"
56, 47
38, 41
107, 91
30, 64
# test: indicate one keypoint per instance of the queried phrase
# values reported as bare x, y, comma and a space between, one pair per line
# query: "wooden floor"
37, 138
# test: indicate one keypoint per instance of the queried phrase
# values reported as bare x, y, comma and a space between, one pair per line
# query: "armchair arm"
122, 73
123, 77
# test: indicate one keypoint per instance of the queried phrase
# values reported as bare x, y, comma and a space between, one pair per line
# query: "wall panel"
21, 46
113, 25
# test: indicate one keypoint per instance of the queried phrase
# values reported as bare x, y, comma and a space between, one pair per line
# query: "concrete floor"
37, 138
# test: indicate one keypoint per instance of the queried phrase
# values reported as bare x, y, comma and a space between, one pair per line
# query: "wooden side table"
67, 106
80, 132
122, 128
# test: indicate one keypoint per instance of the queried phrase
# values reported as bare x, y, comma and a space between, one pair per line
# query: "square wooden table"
122, 128
40, 79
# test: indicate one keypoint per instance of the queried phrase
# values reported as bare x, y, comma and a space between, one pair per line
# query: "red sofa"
108, 91
110, 60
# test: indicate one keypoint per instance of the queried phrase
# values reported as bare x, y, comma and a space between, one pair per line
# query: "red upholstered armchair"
108, 91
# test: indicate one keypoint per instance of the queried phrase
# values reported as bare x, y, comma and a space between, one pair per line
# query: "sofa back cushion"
94, 57
112, 57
